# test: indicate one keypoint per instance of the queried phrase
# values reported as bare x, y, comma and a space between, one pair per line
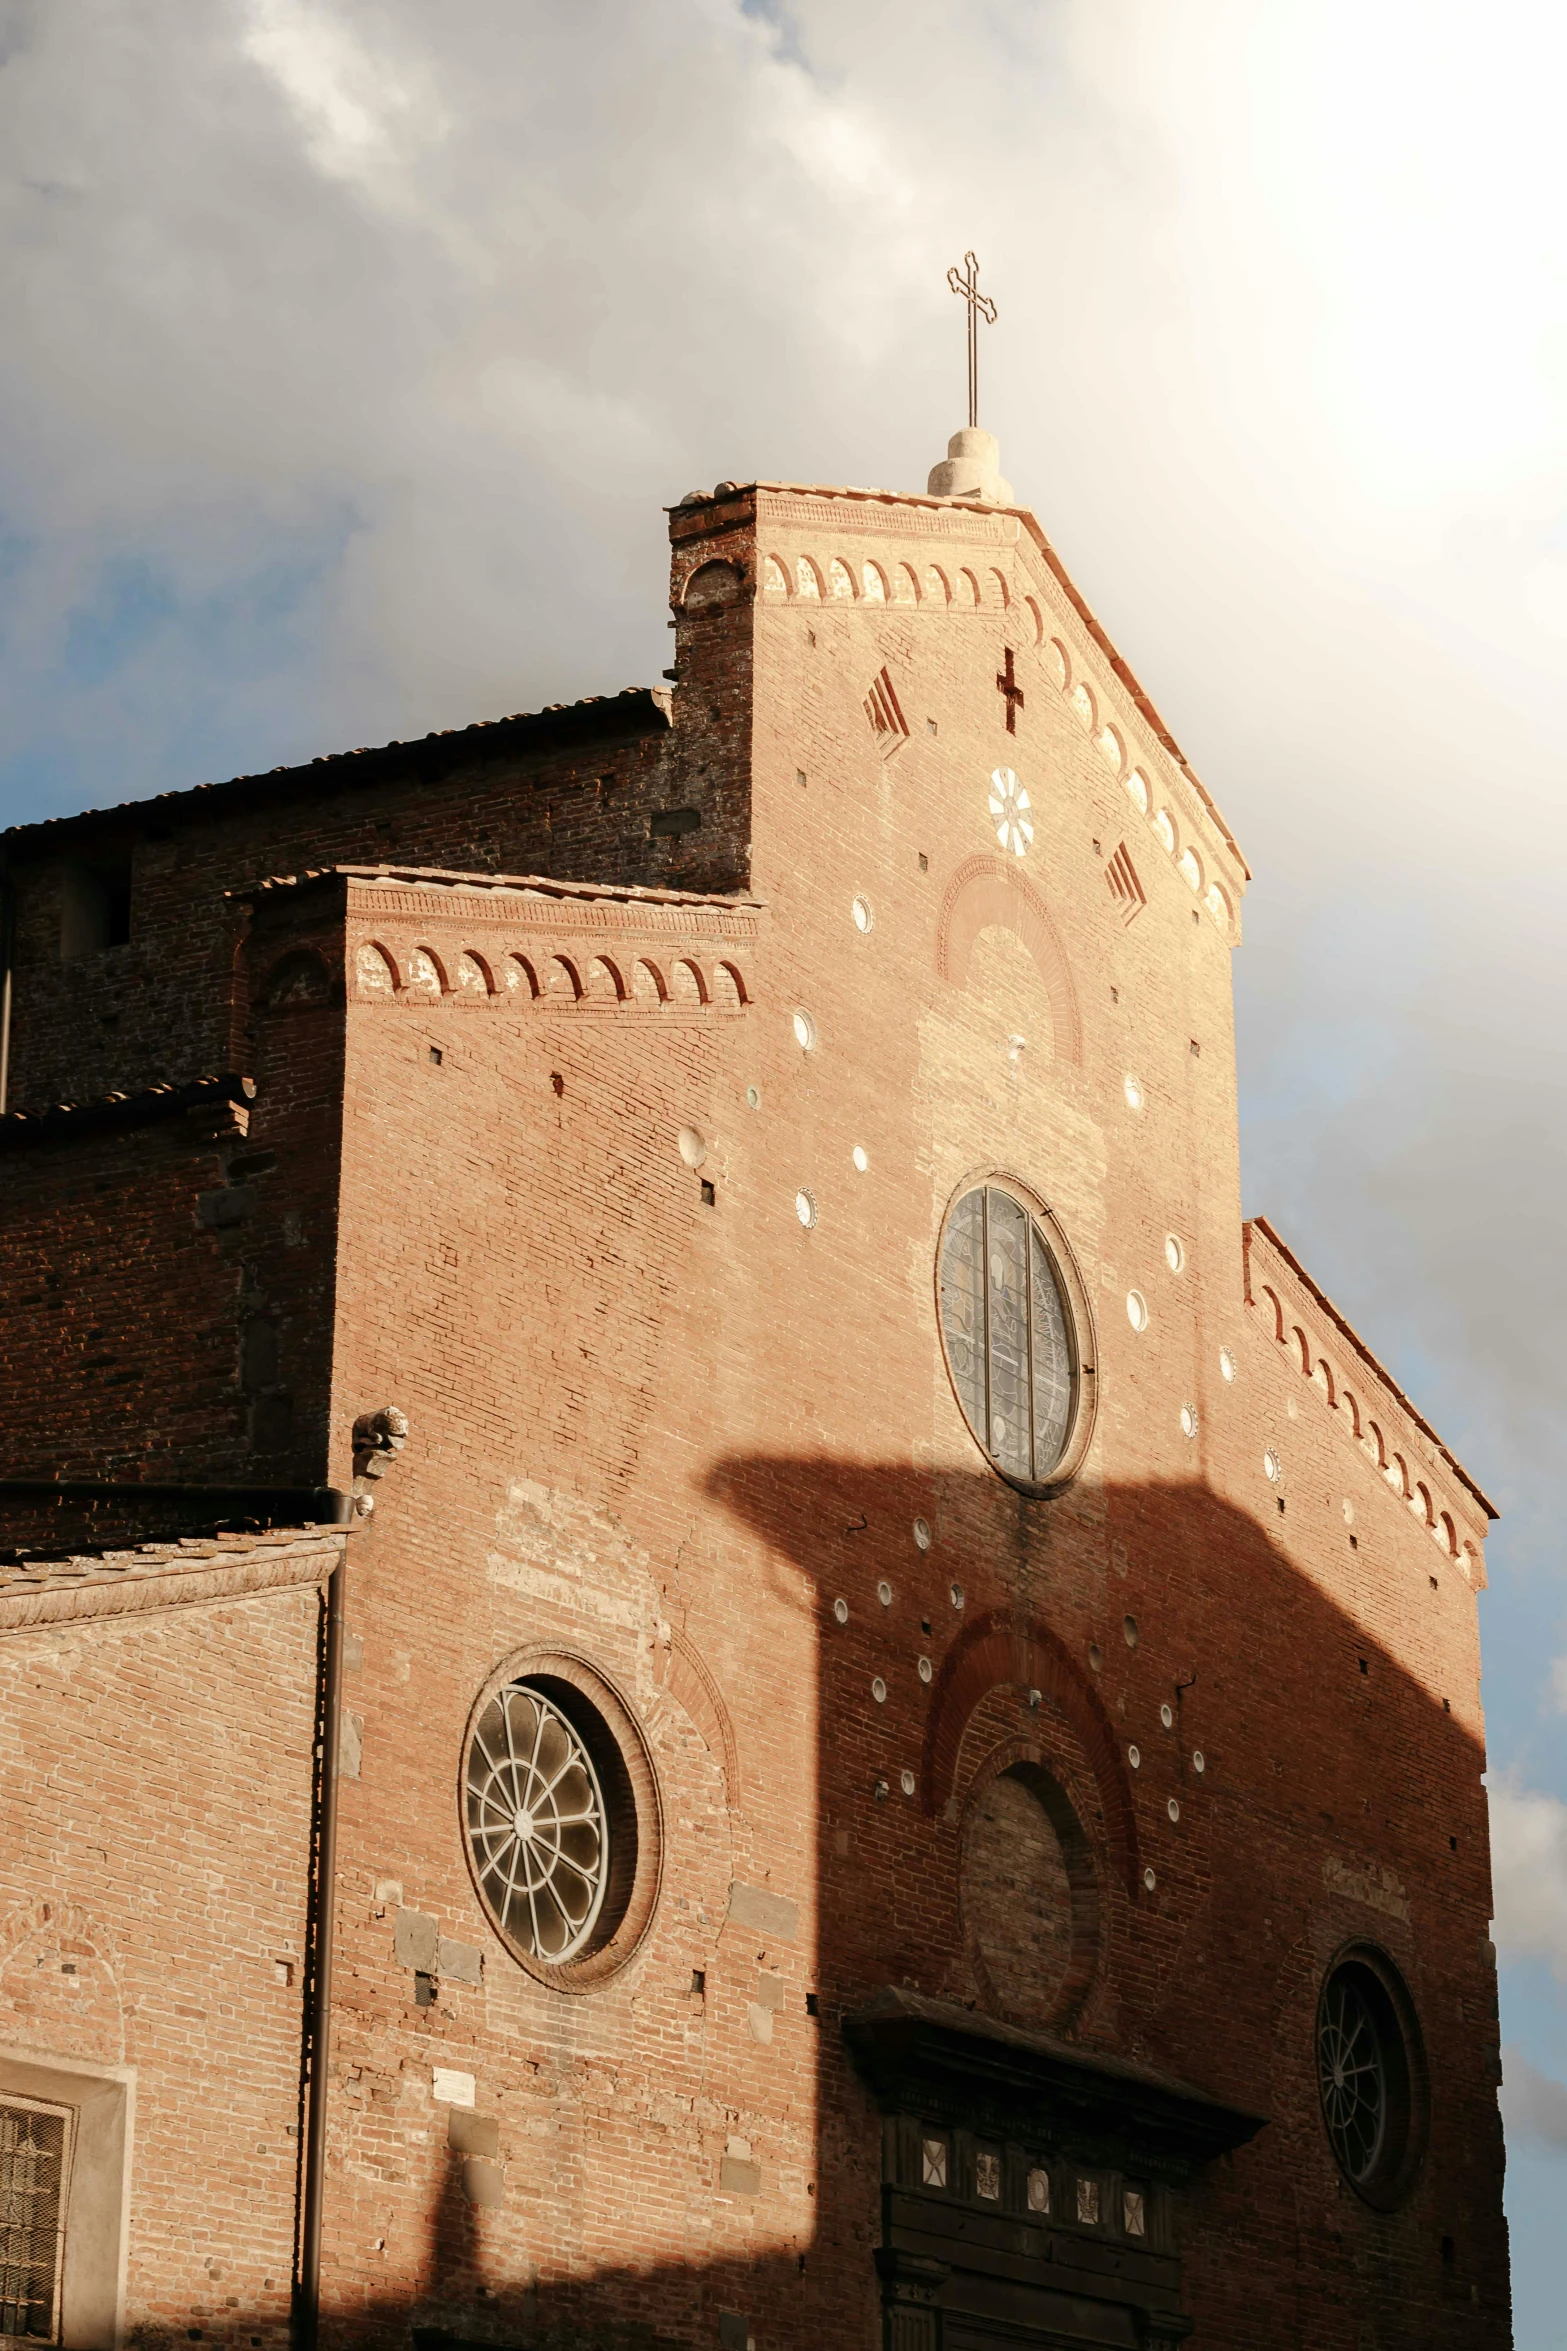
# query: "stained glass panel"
1008, 1334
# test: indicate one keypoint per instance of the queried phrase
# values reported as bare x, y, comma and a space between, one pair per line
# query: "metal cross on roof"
980, 307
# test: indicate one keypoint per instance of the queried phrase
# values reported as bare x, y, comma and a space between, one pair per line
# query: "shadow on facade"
1165, 2043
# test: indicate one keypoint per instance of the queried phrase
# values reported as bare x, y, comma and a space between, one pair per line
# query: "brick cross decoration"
1006, 683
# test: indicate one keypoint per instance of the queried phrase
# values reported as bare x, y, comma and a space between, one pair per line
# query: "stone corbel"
378, 1438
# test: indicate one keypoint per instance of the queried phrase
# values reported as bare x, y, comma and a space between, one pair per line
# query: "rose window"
1352, 2072
537, 1823
1010, 812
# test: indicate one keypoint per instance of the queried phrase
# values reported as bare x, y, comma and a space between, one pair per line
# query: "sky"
354, 347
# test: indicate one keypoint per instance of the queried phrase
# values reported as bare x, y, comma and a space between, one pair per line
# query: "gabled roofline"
533, 885
636, 710
1122, 669
1347, 1331
1021, 514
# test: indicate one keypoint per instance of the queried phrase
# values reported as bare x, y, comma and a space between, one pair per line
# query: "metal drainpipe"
308, 2304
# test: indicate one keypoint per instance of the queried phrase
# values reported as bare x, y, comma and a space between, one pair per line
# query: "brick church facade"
696, 1651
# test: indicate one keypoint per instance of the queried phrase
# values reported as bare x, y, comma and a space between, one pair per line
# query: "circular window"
561, 1820
538, 1822
1012, 1308
1371, 2075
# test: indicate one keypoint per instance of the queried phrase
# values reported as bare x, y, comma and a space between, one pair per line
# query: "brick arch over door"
987, 890
1000, 1650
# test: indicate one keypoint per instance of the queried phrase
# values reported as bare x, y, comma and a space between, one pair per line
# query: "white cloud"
353, 106
353, 347
1529, 1873
1534, 2107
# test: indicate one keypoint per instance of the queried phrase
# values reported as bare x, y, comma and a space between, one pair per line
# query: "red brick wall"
164, 1005
665, 1436
166, 1287
154, 1815
630, 1409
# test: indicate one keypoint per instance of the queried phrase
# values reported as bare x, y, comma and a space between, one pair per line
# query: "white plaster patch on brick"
604, 1607
449, 2087
1379, 1889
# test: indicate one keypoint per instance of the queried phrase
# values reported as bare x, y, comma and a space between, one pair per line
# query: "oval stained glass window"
1008, 1334
537, 1822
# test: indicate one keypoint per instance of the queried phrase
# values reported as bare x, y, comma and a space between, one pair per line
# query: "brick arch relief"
602, 982
1023, 1771
986, 891
680, 1668
596, 978
375, 970
59, 1983
426, 975
712, 586
1000, 1652
297, 982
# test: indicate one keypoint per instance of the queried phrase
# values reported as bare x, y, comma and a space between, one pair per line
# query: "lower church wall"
154, 1833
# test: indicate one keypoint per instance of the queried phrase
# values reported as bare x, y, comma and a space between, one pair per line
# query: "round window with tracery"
1011, 1311
537, 1819
1371, 2076
560, 1811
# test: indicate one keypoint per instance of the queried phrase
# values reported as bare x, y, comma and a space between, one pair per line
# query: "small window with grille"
35, 2163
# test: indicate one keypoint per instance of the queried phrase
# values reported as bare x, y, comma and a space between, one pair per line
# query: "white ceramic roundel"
1010, 812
